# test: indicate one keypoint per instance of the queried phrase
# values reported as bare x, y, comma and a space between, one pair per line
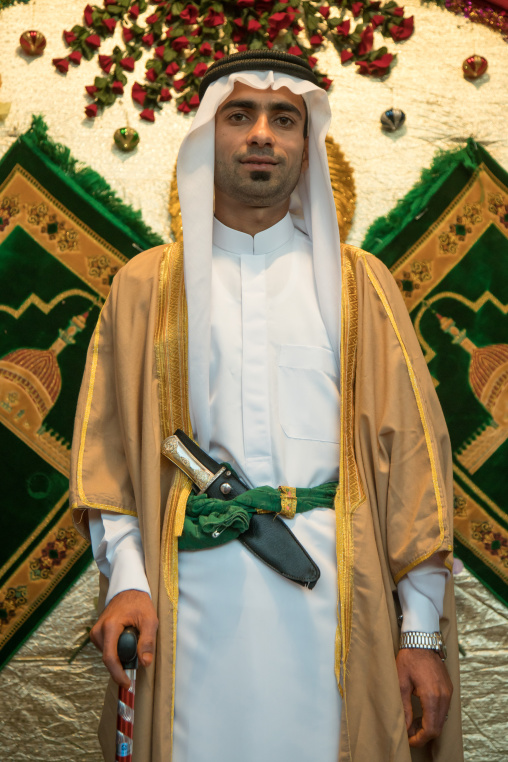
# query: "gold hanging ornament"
126, 138
474, 67
32, 42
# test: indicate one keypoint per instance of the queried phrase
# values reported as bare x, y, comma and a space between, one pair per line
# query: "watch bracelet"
432, 641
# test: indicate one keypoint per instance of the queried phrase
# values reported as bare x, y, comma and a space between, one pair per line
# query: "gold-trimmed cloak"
393, 505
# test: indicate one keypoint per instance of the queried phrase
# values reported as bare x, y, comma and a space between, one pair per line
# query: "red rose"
151, 75
196, 32
148, 39
117, 87
69, 37
403, 31
91, 110
184, 108
213, 18
172, 69
269, 45
105, 62
165, 94
205, 49
398, 11
325, 82
127, 63
200, 69
194, 101
179, 84
278, 21
367, 39
152, 19
76, 57
93, 41
159, 51
357, 9
297, 28
377, 20
324, 11
109, 24
91, 90
191, 58
294, 50
238, 22
343, 29
312, 61
316, 39
134, 11
237, 36
148, 115
345, 55
218, 55
61, 64
241, 48
138, 93
253, 26
189, 14
378, 67
127, 34
88, 15
180, 43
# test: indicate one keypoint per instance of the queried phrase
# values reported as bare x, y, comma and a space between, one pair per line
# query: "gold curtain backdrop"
49, 708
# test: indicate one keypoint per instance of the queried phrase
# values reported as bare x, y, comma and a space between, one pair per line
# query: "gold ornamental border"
343, 187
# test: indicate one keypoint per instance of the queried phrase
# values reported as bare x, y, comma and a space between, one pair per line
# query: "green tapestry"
446, 245
63, 235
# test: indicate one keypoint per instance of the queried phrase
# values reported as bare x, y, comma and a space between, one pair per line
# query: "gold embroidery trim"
350, 492
170, 342
424, 423
288, 502
86, 418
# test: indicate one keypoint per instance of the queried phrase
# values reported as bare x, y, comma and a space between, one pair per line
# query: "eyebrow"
253, 106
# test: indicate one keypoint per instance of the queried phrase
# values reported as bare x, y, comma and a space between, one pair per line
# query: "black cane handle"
128, 648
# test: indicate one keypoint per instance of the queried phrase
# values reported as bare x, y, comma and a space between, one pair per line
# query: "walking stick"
127, 653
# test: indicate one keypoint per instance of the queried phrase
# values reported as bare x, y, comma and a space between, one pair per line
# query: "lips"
259, 160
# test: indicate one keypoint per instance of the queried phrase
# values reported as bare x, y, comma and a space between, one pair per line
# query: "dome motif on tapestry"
485, 363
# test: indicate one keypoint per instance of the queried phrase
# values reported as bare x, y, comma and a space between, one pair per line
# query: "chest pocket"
309, 397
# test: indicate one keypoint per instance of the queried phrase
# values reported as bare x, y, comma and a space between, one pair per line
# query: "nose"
261, 134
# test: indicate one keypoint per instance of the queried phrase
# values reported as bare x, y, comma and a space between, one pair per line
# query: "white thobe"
255, 652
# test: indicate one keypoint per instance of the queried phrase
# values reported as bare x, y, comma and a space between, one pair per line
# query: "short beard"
258, 174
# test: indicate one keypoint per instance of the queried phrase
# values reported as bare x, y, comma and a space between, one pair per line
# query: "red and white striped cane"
127, 653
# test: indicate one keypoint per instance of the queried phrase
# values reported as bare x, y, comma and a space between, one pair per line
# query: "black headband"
257, 60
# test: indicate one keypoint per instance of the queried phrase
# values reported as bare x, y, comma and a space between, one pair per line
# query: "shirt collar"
262, 243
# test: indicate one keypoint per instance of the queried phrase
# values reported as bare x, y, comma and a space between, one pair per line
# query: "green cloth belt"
205, 516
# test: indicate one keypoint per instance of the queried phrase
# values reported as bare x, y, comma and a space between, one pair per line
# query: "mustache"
269, 152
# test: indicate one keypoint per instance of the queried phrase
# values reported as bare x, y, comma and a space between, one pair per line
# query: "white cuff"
127, 573
421, 593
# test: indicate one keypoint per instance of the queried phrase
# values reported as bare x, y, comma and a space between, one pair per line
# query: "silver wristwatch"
430, 640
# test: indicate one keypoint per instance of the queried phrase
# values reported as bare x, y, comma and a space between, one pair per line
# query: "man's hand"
422, 672
132, 607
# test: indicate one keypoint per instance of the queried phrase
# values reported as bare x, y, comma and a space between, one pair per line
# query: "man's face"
260, 150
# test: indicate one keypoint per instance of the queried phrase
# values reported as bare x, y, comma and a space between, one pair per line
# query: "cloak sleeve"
403, 435
99, 474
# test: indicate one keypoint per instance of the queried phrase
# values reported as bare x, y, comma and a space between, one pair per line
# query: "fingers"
131, 607
112, 631
423, 673
435, 702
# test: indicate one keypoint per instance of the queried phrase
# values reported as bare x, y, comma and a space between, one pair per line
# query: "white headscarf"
312, 207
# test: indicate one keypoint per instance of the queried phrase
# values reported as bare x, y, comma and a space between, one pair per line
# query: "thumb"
146, 643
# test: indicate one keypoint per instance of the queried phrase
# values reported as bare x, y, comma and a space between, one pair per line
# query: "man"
247, 358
